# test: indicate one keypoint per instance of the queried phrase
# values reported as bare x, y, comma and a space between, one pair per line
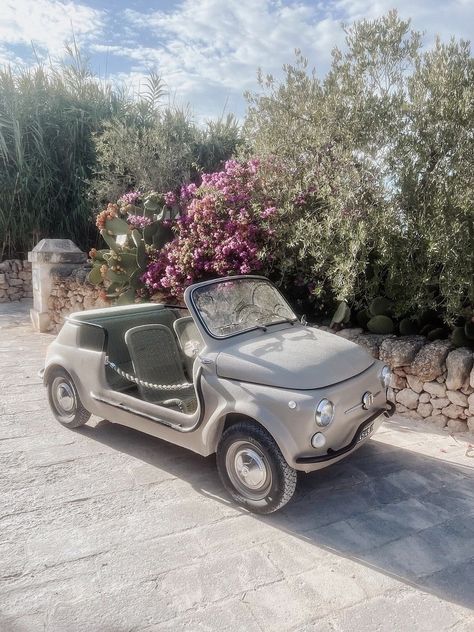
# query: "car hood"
297, 358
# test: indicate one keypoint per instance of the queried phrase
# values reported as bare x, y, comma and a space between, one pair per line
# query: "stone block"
459, 364
397, 381
453, 411
439, 403
470, 423
425, 410
435, 389
456, 397
407, 398
425, 398
398, 352
429, 361
415, 383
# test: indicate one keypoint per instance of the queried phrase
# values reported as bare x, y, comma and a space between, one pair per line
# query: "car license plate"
365, 433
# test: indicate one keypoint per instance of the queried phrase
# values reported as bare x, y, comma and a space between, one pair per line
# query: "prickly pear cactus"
342, 314
380, 325
133, 232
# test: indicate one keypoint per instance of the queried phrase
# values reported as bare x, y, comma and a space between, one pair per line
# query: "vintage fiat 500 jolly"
236, 373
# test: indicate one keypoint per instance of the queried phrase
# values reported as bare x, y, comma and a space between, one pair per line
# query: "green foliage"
374, 170
160, 151
380, 325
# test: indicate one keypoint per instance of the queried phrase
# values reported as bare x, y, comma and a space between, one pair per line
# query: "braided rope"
151, 385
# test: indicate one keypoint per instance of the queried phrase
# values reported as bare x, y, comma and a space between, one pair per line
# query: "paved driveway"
103, 529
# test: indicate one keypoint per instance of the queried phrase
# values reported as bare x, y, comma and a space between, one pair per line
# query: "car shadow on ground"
404, 514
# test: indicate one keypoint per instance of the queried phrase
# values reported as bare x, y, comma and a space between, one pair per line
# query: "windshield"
232, 306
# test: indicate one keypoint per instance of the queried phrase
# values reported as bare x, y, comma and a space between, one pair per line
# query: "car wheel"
64, 400
253, 470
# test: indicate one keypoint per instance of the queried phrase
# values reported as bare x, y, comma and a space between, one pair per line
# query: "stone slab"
105, 529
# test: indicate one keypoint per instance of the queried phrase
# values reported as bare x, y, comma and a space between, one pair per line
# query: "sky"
207, 51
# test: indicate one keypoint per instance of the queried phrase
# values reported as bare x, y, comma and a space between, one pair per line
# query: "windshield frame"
256, 327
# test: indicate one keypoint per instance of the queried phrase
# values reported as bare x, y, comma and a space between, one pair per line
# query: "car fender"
273, 424
56, 359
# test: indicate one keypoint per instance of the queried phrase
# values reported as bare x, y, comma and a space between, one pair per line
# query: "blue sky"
207, 51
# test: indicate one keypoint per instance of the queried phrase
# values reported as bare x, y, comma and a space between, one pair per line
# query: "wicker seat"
156, 359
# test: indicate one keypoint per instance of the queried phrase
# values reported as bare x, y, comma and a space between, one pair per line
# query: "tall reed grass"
47, 120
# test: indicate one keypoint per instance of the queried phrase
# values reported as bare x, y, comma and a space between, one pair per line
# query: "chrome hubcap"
64, 398
248, 470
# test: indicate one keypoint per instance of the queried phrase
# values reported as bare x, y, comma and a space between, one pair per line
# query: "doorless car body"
240, 376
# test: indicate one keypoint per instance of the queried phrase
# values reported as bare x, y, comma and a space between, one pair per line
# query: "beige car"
236, 373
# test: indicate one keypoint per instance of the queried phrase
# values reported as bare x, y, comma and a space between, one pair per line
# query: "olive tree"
381, 150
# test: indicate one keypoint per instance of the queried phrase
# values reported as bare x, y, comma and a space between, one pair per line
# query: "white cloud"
199, 47
47, 24
208, 51
212, 46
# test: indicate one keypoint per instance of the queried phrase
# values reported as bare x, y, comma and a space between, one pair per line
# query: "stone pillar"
45, 256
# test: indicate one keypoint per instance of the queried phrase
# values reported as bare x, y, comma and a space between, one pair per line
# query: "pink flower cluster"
138, 221
170, 198
222, 231
132, 197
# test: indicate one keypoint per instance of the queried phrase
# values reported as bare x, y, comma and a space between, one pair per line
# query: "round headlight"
324, 412
385, 376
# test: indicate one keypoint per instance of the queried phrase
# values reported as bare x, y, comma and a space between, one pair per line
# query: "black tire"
253, 469
64, 400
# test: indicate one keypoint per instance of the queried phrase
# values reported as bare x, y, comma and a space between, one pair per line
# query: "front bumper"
335, 454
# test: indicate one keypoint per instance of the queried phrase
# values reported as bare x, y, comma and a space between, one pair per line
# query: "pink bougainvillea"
225, 224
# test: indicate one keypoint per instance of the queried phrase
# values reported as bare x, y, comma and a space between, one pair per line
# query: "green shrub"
375, 166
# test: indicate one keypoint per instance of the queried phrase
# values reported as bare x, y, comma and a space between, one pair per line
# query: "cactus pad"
380, 306
380, 324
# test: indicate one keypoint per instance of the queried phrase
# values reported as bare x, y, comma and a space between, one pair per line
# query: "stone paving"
104, 529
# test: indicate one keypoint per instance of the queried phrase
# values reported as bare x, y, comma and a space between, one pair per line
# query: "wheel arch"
51, 368
275, 428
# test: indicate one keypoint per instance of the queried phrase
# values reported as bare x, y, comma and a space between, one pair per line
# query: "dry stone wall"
15, 280
71, 292
430, 380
